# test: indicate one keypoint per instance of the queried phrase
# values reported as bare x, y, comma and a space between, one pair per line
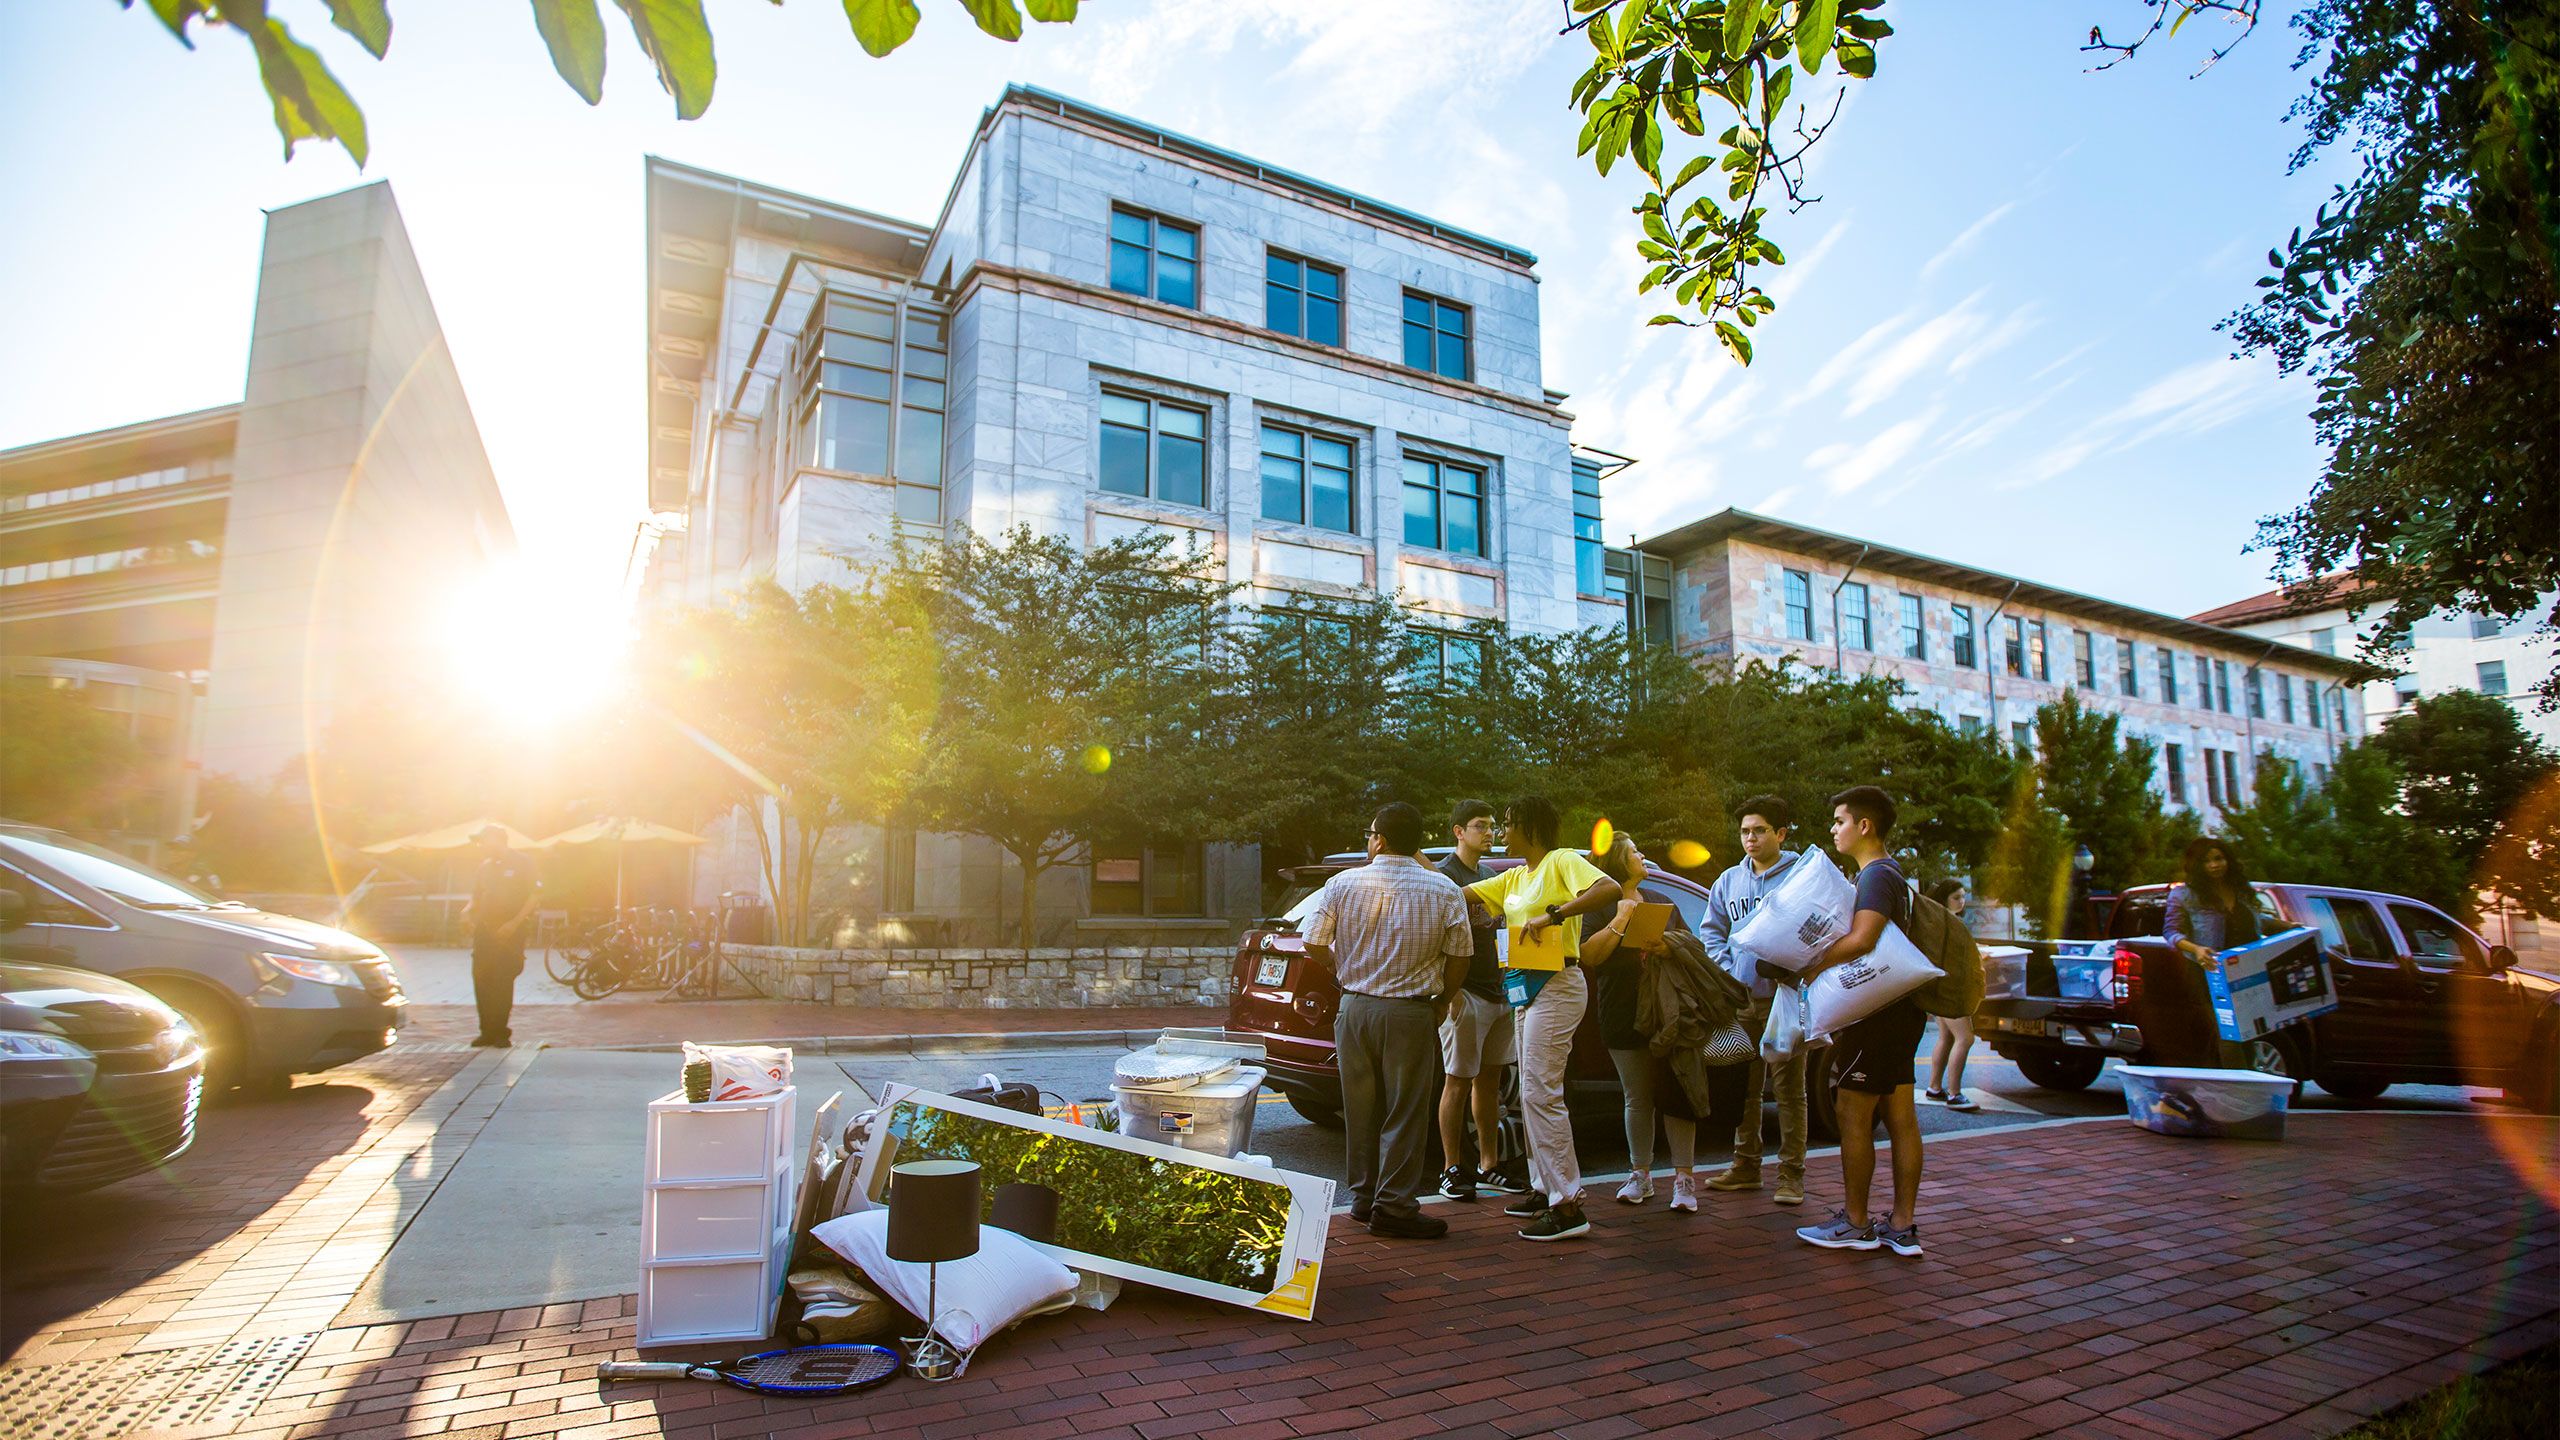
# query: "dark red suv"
1279, 1000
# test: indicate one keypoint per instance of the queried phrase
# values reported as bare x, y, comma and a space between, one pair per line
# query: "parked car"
271, 996
98, 1080
2421, 1000
1279, 1000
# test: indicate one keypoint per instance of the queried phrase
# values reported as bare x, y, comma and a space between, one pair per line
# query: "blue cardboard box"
2262, 987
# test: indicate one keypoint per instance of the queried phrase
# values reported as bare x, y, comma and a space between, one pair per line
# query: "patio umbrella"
451, 839
621, 832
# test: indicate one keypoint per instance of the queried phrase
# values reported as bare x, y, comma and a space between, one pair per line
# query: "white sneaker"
1684, 1193
1637, 1191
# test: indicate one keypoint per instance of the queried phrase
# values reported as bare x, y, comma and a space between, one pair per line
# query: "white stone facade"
2448, 651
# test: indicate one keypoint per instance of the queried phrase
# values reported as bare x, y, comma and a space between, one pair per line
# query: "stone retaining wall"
993, 979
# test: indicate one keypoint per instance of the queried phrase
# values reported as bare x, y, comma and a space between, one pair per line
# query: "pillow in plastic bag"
1846, 994
977, 1297
1797, 921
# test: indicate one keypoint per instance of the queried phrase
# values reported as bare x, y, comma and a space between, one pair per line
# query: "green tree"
63, 761
260, 837
2099, 781
2468, 770
2350, 832
2424, 303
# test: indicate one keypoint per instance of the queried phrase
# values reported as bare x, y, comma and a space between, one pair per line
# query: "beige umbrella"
621, 832
452, 838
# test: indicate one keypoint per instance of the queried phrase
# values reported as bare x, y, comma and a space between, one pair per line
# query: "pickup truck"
2421, 1000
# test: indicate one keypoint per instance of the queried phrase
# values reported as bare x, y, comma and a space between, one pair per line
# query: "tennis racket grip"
646, 1370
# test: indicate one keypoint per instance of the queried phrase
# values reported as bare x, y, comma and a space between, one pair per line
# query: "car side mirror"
13, 909
2501, 959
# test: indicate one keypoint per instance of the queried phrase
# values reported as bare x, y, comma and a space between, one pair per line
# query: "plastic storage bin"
717, 1201
1213, 1119
2216, 1104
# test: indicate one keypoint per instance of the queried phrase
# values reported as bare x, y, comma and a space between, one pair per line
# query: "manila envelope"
1544, 951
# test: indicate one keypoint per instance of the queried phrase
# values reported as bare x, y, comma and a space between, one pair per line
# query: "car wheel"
1315, 1113
1821, 1099
2270, 1056
226, 1058
2352, 1087
2065, 1070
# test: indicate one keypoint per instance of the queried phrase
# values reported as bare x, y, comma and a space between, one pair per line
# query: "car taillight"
2128, 976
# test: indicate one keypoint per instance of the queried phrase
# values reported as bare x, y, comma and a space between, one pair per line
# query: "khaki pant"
1546, 1041
1746, 1136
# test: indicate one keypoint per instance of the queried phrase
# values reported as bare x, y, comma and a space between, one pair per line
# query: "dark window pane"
1332, 497
1177, 282
1177, 240
1280, 308
853, 435
1129, 268
926, 393
1325, 281
1324, 321
1417, 345
1281, 489
1279, 441
1182, 420
1280, 269
1464, 517
920, 447
861, 317
1421, 516
1124, 460
1132, 228
1453, 320
924, 329
855, 380
1173, 880
1458, 480
918, 502
1417, 310
1125, 410
932, 364
860, 349
1453, 357
1180, 470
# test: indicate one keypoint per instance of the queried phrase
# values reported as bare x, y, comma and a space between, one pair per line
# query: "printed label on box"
1173, 1122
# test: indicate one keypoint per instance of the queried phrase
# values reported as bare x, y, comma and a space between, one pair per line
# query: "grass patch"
2519, 1398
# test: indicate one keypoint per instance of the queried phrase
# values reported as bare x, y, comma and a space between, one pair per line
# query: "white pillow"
978, 1297
1797, 921
1846, 994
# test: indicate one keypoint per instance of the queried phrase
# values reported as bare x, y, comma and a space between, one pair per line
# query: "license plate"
1272, 970
2016, 1027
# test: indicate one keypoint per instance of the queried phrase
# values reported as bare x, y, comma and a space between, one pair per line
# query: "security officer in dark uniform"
502, 900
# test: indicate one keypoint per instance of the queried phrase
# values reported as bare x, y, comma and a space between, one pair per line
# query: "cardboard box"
2259, 989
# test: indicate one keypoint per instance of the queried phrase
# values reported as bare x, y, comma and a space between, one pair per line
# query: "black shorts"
1873, 1057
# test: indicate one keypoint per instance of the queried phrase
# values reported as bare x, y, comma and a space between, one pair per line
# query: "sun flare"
533, 647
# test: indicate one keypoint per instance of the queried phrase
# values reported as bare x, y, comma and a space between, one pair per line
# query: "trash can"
1211, 1119
2213, 1104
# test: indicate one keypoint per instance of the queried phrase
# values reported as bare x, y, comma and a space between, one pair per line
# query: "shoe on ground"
1956, 1101
1934, 1097
1557, 1222
1736, 1180
1637, 1191
1837, 1233
1502, 1179
1359, 1212
1532, 1203
1905, 1241
1407, 1227
1458, 1183
1790, 1192
1684, 1193
483, 1042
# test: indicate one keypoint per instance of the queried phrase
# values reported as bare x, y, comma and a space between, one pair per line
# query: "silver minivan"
272, 996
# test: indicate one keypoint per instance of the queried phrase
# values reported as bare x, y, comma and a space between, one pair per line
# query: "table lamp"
933, 1217
1030, 1211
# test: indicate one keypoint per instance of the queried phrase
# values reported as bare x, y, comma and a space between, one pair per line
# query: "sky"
1994, 342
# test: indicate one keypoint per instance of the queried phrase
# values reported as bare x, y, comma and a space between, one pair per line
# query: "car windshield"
112, 873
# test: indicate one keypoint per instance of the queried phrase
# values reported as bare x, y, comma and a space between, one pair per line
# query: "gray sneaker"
1905, 1241
1837, 1233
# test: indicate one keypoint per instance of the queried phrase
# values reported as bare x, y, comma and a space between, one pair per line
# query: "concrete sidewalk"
2082, 1278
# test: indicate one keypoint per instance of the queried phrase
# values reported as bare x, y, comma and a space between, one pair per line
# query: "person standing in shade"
1872, 1058
1653, 1099
1765, 861
1955, 1034
502, 900
2215, 909
1393, 935
1475, 1041
1550, 889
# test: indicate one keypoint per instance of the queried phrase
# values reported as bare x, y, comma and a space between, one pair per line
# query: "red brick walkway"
640, 1020
2085, 1279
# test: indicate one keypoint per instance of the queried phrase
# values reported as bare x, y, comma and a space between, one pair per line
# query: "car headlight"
312, 968
174, 1044
31, 1045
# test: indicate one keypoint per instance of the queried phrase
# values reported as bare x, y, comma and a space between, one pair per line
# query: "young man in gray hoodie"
1765, 820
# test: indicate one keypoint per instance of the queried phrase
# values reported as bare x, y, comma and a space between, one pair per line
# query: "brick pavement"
640, 1020
2085, 1279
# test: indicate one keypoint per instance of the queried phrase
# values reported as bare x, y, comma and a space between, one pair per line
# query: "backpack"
1938, 934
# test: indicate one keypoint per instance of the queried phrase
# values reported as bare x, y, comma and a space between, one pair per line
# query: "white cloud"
1966, 239
2190, 400
1845, 467
1914, 351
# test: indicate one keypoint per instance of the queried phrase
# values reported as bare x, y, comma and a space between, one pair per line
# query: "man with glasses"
1394, 936
1737, 892
1475, 1040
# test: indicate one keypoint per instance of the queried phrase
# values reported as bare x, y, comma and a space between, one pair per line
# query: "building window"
871, 382
897, 871
2037, 652
2493, 677
2284, 698
1590, 548
2085, 652
1647, 600
1156, 258
1443, 505
2212, 780
2325, 641
2257, 694
1306, 478
2311, 702
2230, 777
2016, 649
1302, 298
1146, 880
1960, 630
2168, 678
2404, 691
1799, 599
1970, 726
2222, 686
1915, 637
1440, 661
2175, 757
2128, 678
1855, 632
1436, 336
2486, 627
1154, 448
2022, 735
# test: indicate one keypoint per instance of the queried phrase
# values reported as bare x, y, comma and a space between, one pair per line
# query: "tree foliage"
2469, 773
63, 761
2100, 782
2351, 832
2424, 303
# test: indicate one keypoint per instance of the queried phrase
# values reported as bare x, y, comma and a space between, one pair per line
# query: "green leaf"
1741, 25
1736, 343
367, 20
309, 102
1665, 320
176, 13
1598, 33
880, 26
677, 40
999, 18
1776, 97
575, 34
1052, 12
1697, 165
1817, 21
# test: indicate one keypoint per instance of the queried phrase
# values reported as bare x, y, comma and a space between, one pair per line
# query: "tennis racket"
808, 1370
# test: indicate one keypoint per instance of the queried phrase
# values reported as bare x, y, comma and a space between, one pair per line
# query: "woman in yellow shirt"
1542, 901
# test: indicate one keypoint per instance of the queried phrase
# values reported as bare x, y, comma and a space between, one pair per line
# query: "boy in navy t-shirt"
1873, 1057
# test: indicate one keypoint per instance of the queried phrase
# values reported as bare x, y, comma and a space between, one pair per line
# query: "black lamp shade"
933, 1211
1030, 1211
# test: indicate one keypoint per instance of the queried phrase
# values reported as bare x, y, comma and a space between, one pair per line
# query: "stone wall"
993, 979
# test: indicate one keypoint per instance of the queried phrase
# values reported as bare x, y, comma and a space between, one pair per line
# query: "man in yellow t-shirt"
1550, 890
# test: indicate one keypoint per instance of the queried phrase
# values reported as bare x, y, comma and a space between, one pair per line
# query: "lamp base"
930, 1359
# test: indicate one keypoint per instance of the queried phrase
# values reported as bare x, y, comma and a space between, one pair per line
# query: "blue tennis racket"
807, 1370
